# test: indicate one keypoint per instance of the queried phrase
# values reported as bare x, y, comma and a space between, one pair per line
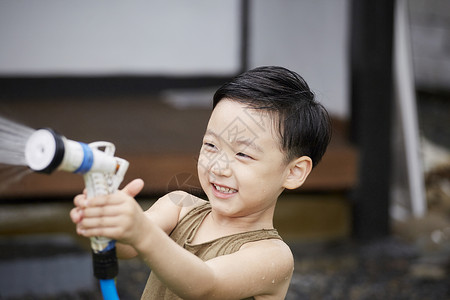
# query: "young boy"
265, 134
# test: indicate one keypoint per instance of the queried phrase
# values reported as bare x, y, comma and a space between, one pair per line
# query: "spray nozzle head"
44, 150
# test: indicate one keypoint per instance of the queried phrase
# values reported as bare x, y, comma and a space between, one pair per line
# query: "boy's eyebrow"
249, 143
238, 141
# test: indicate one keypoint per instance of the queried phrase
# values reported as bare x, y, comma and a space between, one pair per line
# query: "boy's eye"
243, 155
210, 145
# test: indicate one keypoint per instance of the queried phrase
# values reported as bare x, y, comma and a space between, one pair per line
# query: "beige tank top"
183, 235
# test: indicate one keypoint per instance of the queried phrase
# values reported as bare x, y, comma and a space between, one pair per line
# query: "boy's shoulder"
270, 245
168, 210
184, 201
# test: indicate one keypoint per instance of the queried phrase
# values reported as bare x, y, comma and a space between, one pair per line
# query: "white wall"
430, 34
67, 37
310, 37
151, 37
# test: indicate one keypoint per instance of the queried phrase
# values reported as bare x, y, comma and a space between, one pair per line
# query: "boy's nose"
221, 169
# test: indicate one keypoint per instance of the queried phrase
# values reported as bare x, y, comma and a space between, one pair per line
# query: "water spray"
47, 151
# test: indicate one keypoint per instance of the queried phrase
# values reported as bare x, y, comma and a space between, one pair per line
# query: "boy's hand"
117, 216
134, 187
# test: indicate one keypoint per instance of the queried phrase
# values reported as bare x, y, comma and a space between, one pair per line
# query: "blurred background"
371, 222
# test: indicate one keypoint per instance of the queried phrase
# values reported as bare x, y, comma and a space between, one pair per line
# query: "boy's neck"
215, 225
259, 220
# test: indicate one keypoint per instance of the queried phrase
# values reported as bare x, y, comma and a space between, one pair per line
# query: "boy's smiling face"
241, 167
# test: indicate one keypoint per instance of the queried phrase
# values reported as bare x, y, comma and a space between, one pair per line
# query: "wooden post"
372, 106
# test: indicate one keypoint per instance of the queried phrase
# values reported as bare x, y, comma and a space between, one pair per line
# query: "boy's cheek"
203, 163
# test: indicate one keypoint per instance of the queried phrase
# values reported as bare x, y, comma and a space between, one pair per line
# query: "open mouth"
224, 189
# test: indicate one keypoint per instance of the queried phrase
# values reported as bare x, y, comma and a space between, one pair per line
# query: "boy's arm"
165, 212
259, 268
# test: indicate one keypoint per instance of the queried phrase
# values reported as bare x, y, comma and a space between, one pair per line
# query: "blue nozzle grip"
88, 159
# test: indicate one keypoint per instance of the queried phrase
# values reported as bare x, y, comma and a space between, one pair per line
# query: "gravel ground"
383, 269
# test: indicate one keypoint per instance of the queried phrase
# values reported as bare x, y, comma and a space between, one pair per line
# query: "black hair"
303, 123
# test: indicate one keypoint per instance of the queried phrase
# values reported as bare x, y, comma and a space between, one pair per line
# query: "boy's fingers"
76, 215
134, 187
102, 231
101, 211
79, 200
131, 189
102, 200
100, 222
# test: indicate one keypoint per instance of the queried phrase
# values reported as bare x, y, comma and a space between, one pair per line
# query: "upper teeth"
224, 189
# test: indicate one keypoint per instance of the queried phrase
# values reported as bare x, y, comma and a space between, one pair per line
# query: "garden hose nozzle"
47, 151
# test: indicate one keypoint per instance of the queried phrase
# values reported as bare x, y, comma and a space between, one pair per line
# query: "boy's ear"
299, 170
